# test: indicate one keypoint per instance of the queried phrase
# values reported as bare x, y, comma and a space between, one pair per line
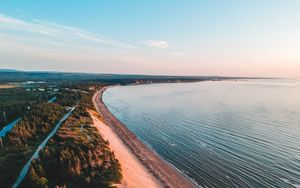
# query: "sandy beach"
141, 167
135, 175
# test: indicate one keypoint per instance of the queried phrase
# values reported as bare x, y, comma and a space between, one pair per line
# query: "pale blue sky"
183, 37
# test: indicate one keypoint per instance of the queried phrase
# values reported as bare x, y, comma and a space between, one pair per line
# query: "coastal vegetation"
77, 156
15, 101
67, 97
19, 144
35, 123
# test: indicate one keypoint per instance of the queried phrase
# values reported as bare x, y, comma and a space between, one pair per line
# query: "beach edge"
164, 172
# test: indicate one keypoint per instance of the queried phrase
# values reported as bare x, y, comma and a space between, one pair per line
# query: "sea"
231, 133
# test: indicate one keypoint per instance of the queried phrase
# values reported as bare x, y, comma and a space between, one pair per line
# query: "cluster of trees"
35, 123
14, 101
77, 156
21, 142
67, 97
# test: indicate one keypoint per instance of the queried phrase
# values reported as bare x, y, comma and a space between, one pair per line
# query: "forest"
15, 101
19, 144
77, 156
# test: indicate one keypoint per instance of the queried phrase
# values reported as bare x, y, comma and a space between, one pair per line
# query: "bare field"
5, 86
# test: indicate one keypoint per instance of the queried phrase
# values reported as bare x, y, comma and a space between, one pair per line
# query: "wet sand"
160, 171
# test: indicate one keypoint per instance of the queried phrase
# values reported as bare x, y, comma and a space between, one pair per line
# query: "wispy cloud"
55, 33
157, 44
39, 44
36, 44
176, 54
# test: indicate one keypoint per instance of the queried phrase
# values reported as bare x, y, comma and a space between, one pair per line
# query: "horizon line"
140, 74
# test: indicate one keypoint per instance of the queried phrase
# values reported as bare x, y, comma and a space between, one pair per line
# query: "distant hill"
9, 70
12, 75
9, 75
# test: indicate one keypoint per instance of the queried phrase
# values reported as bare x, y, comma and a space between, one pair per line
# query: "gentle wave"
221, 134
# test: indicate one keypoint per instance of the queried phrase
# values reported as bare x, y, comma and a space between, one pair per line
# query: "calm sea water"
221, 134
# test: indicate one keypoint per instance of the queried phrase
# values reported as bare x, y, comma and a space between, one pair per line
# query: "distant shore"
167, 175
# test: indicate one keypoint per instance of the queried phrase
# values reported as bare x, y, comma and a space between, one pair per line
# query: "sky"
164, 37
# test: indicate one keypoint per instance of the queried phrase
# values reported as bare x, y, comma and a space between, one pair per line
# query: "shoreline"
134, 174
156, 166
